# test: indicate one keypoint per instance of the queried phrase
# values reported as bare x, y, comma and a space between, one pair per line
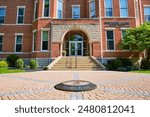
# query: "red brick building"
42, 29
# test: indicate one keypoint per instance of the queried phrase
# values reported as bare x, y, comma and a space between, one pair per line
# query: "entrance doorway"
76, 44
76, 48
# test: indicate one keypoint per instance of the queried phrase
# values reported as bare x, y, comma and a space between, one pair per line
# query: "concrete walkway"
39, 85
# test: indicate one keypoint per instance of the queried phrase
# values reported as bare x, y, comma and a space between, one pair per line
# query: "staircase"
76, 63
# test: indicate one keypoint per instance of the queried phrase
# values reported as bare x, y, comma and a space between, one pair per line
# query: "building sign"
117, 24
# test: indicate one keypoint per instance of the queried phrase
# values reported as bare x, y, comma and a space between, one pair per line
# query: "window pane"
108, 3
46, 8
110, 35
18, 47
21, 11
45, 45
92, 9
76, 12
123, 33
45, 35
2, 11
35, 10
147, 13
1, 39
110, 45
59, 9
20, 19
19, 39
0, 47
123, 3
2, 15
124, 12
123, 8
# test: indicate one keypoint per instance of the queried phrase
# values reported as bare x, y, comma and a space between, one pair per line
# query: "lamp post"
51, 36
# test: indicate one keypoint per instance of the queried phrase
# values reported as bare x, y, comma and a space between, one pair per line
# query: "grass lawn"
4, 71
142, 71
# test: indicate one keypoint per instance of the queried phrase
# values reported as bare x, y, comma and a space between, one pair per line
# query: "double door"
76, 48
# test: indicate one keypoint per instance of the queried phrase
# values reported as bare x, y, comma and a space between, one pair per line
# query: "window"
59, 9
108, 8
36, 10
18, 43
110, 40
34, 41
46, 8
2, 15
44, 40
147, 13
20, 15
76, 12
123, 8
92, 9
1, 43
123, 35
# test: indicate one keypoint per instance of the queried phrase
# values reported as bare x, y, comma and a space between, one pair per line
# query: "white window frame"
42, 39
112, 9
18, 7
5, 13
44, 8
18, 34
127, 9
79, 11
113, 40
35, 8
57, 10
90, 1
34, 31
146, 6
2, 34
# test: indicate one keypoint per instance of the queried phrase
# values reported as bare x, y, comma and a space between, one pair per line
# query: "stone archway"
76, 42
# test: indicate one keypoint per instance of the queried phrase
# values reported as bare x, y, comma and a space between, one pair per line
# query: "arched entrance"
76, 43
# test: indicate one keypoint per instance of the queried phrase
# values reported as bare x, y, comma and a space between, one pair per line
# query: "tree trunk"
147, 54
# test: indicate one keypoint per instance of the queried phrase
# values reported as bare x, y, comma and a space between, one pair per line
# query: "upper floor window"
18, 44
59, 9
92, 9
75, 11
123, 8
1, 43
20, 14
147, 13
35, 10
108, 8
2, 15
46, 8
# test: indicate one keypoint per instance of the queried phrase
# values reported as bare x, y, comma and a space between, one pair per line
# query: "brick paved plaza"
110, 86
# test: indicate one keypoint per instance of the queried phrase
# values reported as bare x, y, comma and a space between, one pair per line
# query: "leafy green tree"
138, 39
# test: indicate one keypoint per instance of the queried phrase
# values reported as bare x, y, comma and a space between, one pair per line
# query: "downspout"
100, 27
51, 36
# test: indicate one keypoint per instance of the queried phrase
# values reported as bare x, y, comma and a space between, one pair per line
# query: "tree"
138, 39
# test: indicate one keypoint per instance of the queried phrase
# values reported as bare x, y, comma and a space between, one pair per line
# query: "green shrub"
3, 64
11, 59
145, 64
45, 68
19, 64
125, 62
116, 64
33, 64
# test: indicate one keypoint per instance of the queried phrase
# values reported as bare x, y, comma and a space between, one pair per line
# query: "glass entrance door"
76, 48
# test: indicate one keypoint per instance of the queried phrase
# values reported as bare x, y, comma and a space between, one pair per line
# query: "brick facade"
94, 28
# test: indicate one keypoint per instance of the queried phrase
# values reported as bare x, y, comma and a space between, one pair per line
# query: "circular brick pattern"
76, 86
